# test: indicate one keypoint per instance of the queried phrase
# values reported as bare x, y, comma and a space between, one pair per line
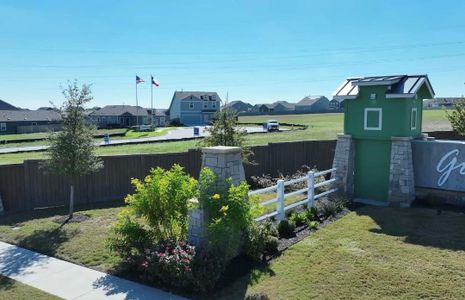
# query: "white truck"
272, 125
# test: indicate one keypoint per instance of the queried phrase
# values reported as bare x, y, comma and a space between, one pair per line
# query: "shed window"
372, 96
413, 119
373, 119
2, 126
191, 105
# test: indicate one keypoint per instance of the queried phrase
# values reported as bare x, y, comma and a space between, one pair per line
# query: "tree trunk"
71, 201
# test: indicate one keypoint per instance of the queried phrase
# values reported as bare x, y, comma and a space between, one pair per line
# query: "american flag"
155, 82
139, 80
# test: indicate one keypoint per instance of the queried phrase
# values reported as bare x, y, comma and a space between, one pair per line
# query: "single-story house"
161, 116
194, 108
263, 108
441, 102
239, 106
115, 116
283, 106
7, 106
312, 104
336, 104
27, 121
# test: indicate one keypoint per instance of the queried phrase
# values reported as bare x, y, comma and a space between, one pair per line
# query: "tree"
224, 132
457, 117
71, 151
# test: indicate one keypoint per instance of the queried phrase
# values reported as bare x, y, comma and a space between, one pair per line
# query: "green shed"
376, 110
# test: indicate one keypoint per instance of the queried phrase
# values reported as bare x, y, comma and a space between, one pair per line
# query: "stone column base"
401, 178
344, 163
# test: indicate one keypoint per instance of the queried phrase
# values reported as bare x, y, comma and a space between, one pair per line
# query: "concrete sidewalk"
70, 281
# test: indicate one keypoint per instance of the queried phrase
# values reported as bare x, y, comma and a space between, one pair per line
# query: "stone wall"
401, 176
344, 163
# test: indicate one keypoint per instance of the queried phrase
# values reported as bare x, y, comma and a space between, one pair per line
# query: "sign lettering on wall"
439, 164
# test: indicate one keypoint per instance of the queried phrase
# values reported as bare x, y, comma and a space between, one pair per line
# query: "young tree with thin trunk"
72, 150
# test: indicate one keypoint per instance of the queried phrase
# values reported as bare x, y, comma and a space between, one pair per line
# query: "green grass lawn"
82, 243
374, 252
14, 290
43, 135
321, 127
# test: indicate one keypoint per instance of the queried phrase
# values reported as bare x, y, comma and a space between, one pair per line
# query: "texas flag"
155, 82
139, 80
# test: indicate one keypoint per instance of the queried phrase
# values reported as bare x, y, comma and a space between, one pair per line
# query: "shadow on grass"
20, 217
239, 275
47, 241
6, 283
420, 226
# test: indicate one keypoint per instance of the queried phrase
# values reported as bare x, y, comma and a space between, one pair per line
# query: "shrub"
207, 269
298, 218
261, 240
313, 224
170, 263
229, 210
312, 214
456, 117
332, 206
286, 228
156, 212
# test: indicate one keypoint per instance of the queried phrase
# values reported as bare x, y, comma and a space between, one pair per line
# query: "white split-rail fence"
280, 212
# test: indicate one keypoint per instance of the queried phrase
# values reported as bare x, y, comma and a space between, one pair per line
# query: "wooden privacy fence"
26, 186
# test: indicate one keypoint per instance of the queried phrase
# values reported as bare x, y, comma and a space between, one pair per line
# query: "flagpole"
137, 105
151, 99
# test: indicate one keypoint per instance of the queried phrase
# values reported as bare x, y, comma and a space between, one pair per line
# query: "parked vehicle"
272, 125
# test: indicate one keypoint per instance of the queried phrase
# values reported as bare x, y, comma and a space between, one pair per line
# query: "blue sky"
257, 51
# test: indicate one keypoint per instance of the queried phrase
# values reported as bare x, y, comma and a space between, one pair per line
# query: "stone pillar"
225, 162
344, 163
196, 229
401, 178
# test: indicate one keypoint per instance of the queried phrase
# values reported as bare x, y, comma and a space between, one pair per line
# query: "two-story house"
194, 108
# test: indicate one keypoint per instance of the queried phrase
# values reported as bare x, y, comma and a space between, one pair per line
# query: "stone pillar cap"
401, 138
221, 149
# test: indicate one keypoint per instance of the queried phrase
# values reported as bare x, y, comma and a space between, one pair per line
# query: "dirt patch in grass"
77, 218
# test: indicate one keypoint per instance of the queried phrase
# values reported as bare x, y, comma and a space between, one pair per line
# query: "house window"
205, 105
413, 119
2, 126
213, 105
210, 98
373, 119
34, 123
191, 105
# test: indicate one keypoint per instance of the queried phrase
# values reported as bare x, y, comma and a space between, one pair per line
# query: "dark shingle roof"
117, 110
7, 106
29, 115
400, 86
309, 100
183, 95
285, 104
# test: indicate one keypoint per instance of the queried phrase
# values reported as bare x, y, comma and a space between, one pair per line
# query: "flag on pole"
139, 80
155, 82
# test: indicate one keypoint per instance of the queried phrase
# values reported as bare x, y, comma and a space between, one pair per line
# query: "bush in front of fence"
151, 231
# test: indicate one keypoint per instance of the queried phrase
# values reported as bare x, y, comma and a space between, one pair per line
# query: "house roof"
7, 106
117, 110
309, 100
184, 95
285, 104
399, 86
28, 115
239, 102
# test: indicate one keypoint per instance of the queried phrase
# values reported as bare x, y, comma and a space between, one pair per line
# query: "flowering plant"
170, 263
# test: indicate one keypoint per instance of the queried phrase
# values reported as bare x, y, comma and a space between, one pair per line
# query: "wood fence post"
280, 204
310, 188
